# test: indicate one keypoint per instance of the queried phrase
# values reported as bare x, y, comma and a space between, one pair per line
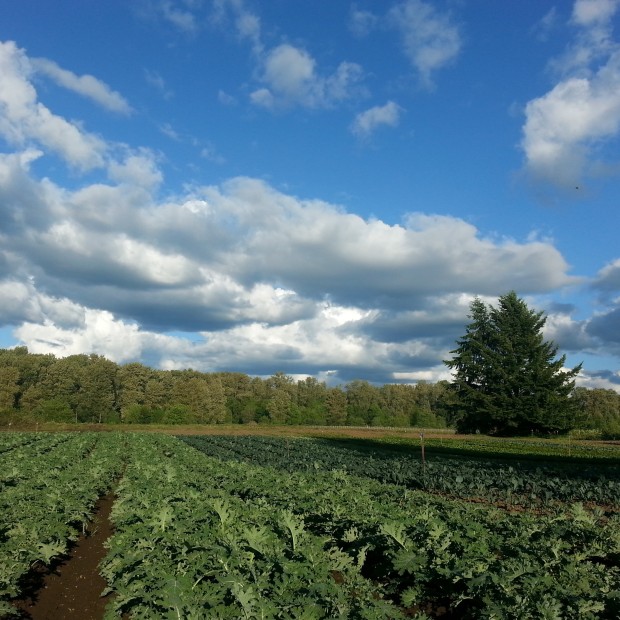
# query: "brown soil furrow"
72, 589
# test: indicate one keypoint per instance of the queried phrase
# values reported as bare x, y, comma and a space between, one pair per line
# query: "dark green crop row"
561, 450
512, 483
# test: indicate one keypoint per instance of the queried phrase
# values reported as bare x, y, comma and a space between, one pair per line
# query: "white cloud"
268, 279
589, 12
545, 26
606, 380
100, 333
362, 22
210, 154
26, 123
136, 169
290, 78
608, 278
568, 334
248, 27
437, 373
181, 19
225, 99
168, 130
246, 23
367, 122
564, 125
430, 38
564, 128
24, 119
287, 75
85, 85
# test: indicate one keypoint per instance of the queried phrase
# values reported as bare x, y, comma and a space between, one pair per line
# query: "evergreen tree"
507, 380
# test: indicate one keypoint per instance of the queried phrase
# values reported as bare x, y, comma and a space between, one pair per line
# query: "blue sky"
319, 188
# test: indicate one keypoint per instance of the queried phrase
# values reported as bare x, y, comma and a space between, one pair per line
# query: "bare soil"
361, 432
71, 589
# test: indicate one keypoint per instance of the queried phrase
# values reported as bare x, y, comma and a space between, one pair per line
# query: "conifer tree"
506, 378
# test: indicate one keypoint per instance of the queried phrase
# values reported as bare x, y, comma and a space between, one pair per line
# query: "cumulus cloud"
136, 169
290, 78
568, 334
85, 85
606, 325
23, 118
265, 280
589, 12
287, 76
99, 333
564, 128
29, 125
603, 379
367, 122
431, 39
608, 278
265, 277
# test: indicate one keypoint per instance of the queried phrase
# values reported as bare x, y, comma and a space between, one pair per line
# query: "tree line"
506, 381
93, 389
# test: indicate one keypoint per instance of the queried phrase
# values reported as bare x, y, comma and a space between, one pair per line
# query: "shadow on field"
578, 467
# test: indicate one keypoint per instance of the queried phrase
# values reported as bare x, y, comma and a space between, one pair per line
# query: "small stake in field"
423, 455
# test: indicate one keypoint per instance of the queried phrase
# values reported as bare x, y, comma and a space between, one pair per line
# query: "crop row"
512, 483
200, 537
505, 448
197, 536
47, 496
10, 441
486, 563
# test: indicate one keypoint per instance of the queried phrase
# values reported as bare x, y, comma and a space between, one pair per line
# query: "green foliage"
49, 485
187, 546
506, 481
196, 536
54, 410
177, 414
599, 411
506, 379
423, 553
97, 391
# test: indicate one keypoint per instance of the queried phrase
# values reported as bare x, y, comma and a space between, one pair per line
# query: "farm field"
215, 526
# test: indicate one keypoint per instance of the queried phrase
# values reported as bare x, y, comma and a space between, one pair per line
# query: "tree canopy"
507, 380
92, 389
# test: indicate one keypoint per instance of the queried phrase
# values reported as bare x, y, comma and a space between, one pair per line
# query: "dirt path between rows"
72, 590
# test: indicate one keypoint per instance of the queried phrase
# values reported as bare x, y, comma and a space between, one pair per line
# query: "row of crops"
241, 529
512, 483
49, 484
514, 448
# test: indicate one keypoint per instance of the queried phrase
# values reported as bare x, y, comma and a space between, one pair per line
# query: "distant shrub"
586, 433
